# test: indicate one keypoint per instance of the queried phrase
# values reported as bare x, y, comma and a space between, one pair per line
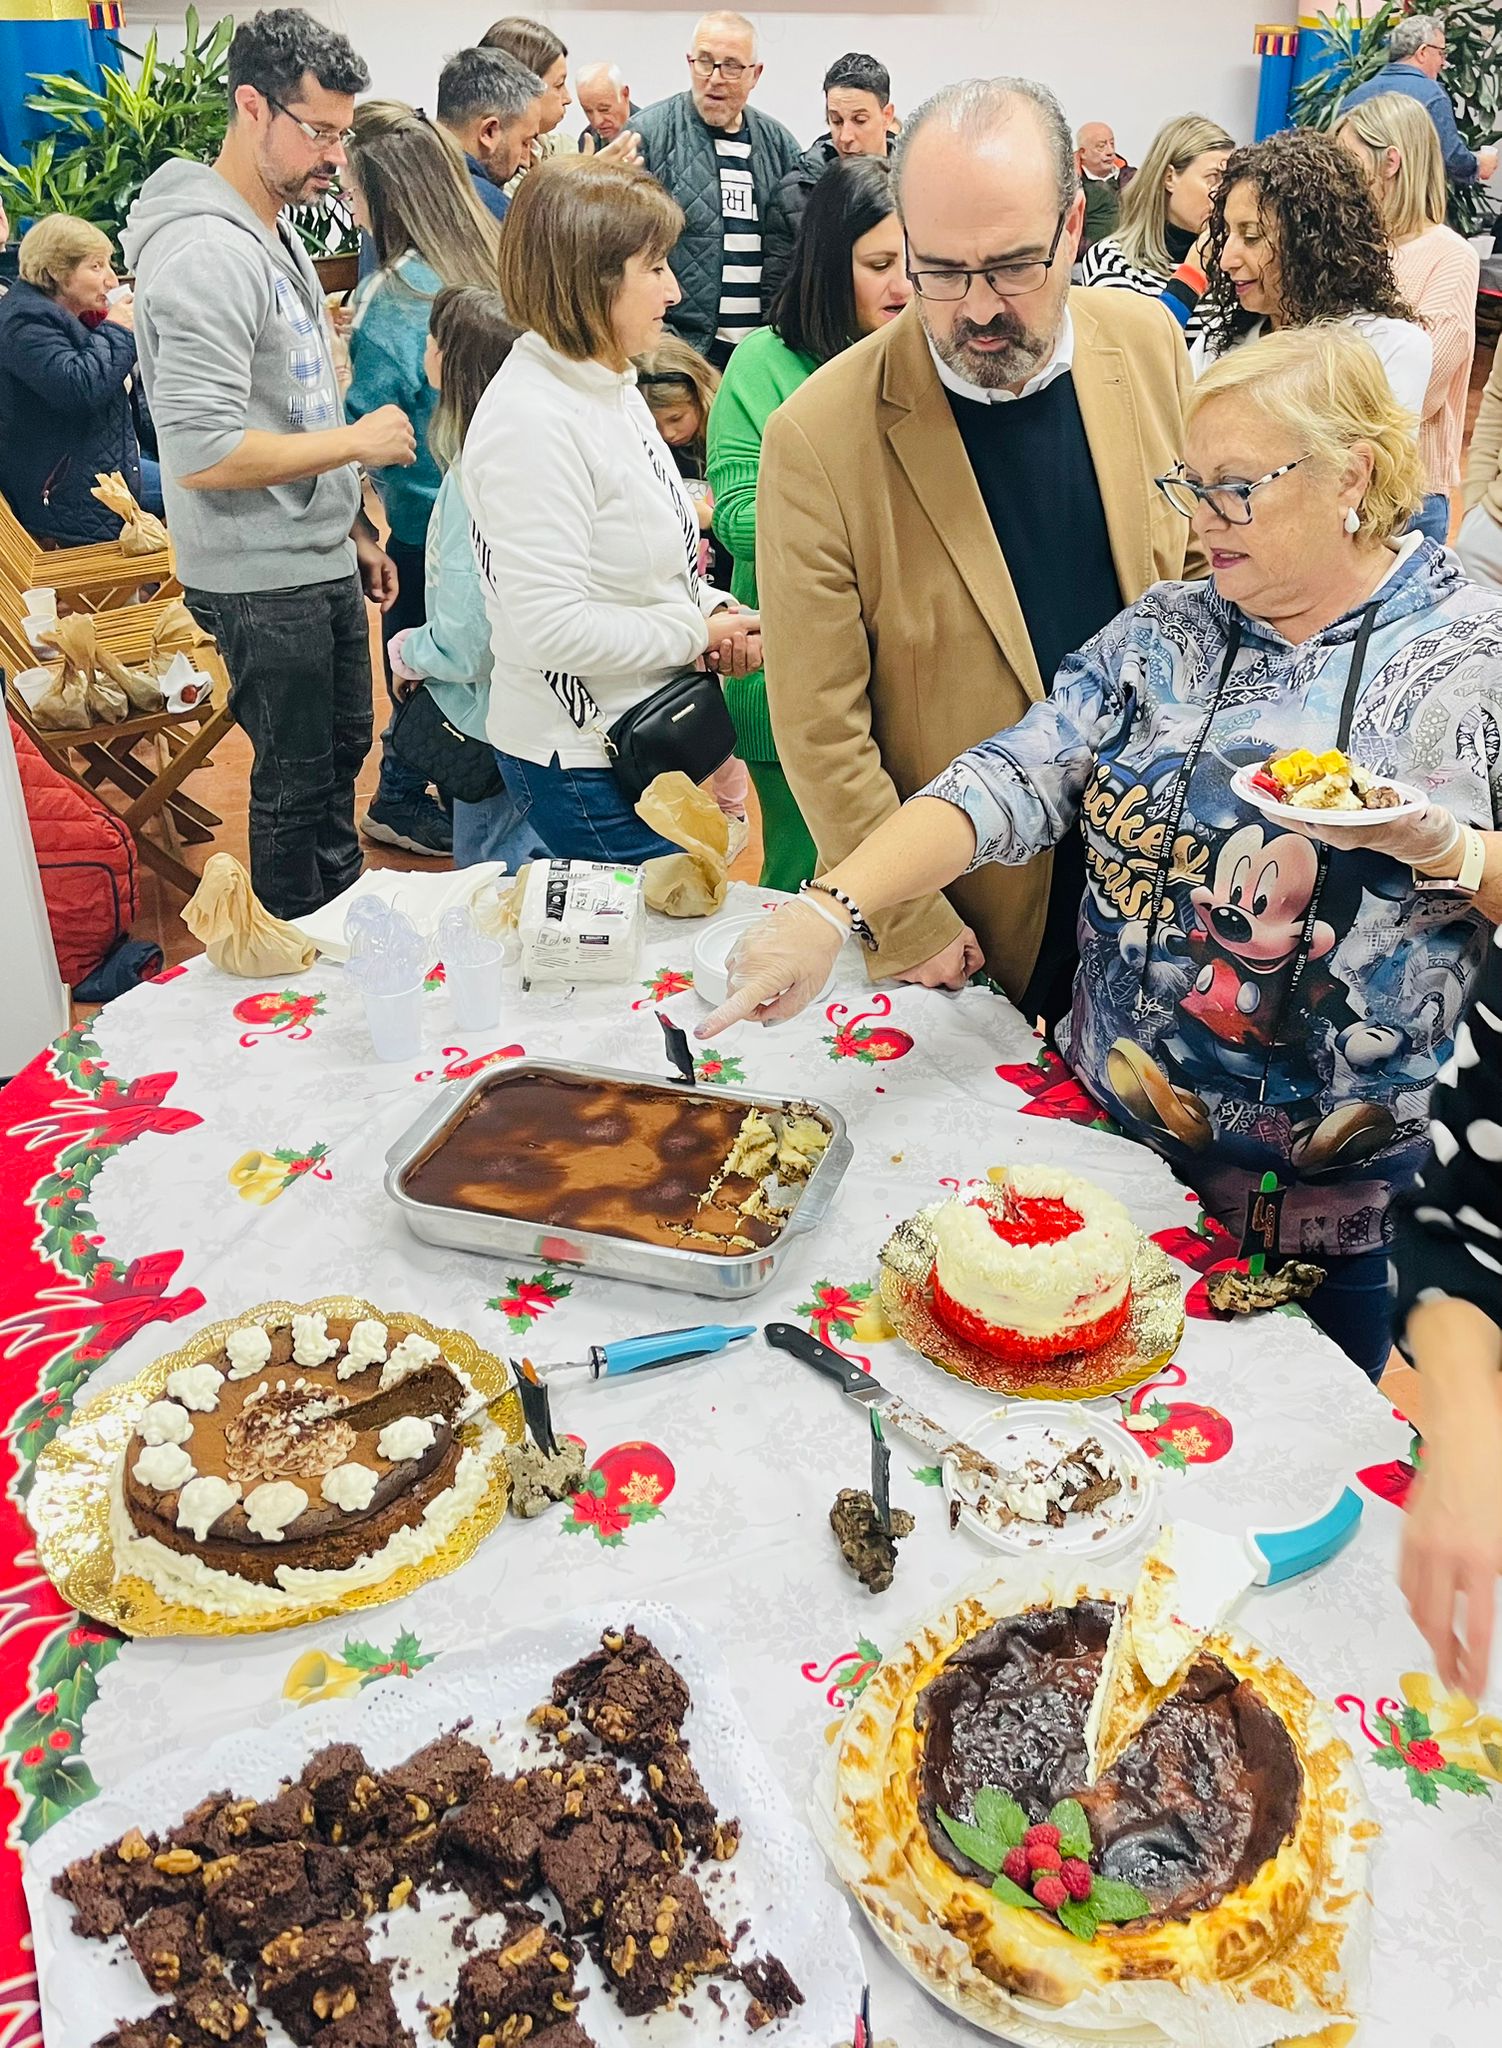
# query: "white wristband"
831, 917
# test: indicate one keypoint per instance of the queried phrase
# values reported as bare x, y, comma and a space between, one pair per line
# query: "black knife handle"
847, 1376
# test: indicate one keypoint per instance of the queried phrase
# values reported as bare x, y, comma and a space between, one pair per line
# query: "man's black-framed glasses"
324, 137
1231, 502
1006, 280
729, 68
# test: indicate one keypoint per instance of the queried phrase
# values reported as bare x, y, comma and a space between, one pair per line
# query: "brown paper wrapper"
175, 632
69, 1507
1150, 1338
238, 932
104, 697
692, 883
141, 533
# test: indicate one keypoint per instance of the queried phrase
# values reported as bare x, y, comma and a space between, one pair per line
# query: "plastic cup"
395, 1023
474, 992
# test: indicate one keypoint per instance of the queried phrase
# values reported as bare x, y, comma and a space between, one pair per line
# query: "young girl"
469, 337
679, 387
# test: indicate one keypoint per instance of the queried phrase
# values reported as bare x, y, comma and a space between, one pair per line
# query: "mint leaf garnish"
1074, 1829
1080, 1917
1113, 1900
1013, 1895
998, 1814
978, 1844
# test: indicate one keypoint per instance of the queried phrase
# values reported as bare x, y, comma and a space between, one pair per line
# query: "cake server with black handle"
895, 1413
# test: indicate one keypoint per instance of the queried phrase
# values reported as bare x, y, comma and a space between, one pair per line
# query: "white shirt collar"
1059, 364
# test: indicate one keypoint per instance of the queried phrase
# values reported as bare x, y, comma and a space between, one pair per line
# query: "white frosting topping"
165, 1422
196, 1386
351, 1487
247, 1350
269, 1508
413, 1352
1035, 1289
164, 1467
367, 1346
408, 1437
311, 1342
202, 1501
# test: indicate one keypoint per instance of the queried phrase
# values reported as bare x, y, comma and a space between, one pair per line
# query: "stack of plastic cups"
472, 968
387, 956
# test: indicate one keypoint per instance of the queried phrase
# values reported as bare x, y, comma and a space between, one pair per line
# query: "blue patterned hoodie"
1243, 1002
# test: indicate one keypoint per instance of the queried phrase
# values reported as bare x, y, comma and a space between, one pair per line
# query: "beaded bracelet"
858, 923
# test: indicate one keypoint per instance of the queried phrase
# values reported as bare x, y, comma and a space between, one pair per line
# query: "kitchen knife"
894, 1411
666, 1347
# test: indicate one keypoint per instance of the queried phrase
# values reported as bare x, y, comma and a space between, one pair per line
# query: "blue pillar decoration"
44, 35
1277, 46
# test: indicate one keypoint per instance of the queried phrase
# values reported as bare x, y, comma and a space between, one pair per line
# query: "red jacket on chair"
87, 858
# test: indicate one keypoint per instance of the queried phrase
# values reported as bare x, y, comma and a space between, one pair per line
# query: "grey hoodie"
232, 335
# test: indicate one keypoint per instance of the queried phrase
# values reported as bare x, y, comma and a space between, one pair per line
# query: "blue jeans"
495, 830
1432, 519
151, 487
579, 813
1353, 1308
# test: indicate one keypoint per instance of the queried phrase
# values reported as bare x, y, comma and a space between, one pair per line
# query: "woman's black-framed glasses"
1007, 280
1231, 502
324, 137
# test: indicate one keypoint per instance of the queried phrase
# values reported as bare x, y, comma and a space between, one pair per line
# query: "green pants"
788, 854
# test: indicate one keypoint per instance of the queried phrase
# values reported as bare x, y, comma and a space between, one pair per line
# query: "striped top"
740, 278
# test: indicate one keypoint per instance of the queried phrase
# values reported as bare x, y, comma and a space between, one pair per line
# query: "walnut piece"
177, 1862
623, 1961
399, 1894
133, 1847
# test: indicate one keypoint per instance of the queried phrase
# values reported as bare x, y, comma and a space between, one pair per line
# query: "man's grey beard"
992, 369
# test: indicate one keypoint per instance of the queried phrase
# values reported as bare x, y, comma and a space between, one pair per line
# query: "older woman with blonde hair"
67, 386
1394, 141
1163, 211
1251, 996
587, 539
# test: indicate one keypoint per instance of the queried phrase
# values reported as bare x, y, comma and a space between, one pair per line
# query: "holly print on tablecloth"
623, 1488
1177, 1433
42, 1743
525, 1300
667, 981
836, 1313
719, 1069
279, 1013
847, 1675
319, 1676
1055, 1092
262, 1176
1424, 1743
859, 1039
435, 978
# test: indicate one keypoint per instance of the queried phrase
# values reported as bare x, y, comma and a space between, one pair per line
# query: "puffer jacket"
65, 415
785, 213
679, 150
87, 860
1243, 1004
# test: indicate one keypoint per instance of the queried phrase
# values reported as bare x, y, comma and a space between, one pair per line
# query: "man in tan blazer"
950, 507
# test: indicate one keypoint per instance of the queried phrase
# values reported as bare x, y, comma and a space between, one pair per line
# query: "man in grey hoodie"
259, 472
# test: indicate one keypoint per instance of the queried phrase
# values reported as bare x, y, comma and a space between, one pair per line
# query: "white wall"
1132, 62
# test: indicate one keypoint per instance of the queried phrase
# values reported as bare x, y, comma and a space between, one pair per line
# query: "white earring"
1352, 520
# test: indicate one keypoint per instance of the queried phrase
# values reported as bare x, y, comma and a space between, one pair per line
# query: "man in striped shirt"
721, 162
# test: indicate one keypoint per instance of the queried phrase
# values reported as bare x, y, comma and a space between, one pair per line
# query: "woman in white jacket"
587, 541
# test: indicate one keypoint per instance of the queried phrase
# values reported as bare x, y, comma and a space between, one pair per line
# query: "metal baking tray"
724, 1277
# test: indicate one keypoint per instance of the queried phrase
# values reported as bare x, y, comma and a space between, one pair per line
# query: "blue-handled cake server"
645, 1354
1287, 1552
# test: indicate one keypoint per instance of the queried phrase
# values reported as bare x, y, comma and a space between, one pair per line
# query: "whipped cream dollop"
311, 1342
165, 1422
408, 1437
413, 1352
269, 1508
367, 1347
195, 1386
247, 1350
202, 1501
351, 1487
163, 1467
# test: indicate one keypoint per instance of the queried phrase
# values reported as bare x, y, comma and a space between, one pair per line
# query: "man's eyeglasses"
729, 68
1231, 502
324, 137
1006, 280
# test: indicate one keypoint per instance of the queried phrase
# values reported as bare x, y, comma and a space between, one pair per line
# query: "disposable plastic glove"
1424, 839
777, 968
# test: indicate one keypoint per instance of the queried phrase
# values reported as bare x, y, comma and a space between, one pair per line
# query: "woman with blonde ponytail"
1163, 209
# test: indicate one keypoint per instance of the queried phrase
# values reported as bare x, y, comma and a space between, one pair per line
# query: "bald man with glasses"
722, 161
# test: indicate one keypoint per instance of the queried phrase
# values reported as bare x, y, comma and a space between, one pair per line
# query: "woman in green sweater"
846, 280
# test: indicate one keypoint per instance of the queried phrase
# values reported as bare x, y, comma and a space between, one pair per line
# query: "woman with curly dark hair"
1295, 236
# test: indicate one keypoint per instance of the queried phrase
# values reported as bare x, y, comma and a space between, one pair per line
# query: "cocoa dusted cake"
620, 1159
298, 1459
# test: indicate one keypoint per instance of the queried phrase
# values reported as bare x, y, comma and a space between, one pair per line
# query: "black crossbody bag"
427, 742
685, 725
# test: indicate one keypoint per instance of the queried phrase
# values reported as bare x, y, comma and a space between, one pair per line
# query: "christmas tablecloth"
207, 1144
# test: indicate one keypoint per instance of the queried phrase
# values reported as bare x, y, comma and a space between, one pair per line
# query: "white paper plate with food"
1075, 1484
1397, 799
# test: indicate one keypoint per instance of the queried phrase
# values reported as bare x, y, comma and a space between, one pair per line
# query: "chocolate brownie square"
773, 1992
490, 1847
310, 1978
210, 2014
587, 1861
216, 1826
169, 1947
288, 1817
627, 1694
348, 1796
125, 1879
659, 1936
444, 1774
675, 1789
368, 2026
256, 1894
528, 1978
